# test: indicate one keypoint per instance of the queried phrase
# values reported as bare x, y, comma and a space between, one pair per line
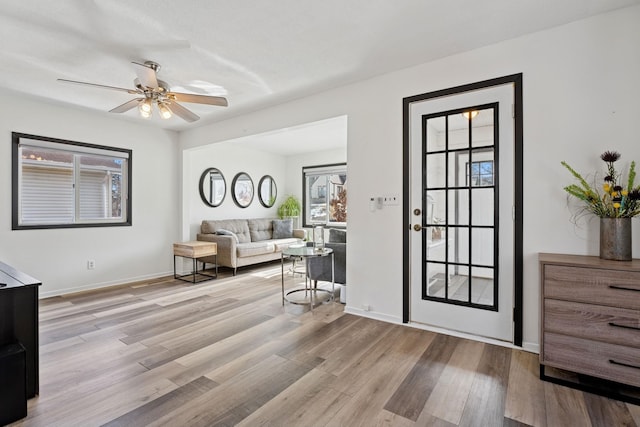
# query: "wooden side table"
195, 250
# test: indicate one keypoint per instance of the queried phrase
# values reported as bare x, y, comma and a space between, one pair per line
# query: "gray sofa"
244, 242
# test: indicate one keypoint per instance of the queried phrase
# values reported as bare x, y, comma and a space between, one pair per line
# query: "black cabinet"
19, 323
13, 393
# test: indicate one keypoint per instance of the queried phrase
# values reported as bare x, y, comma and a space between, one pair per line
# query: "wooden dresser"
590, 316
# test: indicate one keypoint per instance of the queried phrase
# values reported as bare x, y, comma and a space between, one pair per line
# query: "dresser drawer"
603, 360
592, 285
601, 323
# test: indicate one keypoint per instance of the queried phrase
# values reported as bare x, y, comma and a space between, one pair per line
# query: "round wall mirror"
213, 187
267, 191
242, 189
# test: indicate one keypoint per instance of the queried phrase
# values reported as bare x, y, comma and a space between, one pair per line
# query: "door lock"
417, 212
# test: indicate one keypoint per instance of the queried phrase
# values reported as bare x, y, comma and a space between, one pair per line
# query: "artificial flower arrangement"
616, 201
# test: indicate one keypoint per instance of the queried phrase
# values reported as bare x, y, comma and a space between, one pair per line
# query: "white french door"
461, 244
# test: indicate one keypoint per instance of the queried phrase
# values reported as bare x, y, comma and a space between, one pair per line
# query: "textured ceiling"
257, 53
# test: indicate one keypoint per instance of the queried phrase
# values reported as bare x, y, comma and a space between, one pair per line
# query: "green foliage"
290, 207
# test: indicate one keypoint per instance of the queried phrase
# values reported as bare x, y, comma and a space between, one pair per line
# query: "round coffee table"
306, 253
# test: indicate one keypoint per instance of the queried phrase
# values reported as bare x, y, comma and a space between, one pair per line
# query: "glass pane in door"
459, 220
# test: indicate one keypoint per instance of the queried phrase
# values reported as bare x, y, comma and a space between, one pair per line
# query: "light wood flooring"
225, 352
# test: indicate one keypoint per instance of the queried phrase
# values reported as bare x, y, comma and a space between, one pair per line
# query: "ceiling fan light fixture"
145, 108
470, 114
151, 90
165, 112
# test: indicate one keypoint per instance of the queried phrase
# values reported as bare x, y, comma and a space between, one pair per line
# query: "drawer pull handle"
624, 326
624, 288
623, 364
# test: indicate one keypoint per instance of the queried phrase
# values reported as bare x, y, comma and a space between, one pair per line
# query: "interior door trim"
516, 80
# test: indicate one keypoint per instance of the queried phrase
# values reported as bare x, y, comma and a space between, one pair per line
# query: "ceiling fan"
151, 90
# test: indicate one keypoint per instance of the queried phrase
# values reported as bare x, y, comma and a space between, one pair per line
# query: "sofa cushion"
260, 229
255, 248
282, 244
237, 226
282, 228
337, 236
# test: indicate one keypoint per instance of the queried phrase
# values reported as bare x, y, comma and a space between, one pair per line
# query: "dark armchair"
320, 268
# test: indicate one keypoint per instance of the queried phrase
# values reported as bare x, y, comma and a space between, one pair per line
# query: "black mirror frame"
205, 174
275, 187
233, 189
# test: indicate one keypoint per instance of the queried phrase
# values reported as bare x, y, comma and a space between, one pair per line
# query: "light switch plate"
391, 200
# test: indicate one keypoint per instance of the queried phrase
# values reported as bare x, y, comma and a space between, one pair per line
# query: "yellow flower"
616, 205
606, 187
625, 193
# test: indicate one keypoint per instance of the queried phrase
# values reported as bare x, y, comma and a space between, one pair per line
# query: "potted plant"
615, 206
290, 207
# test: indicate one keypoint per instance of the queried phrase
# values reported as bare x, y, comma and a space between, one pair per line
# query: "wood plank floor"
225, 352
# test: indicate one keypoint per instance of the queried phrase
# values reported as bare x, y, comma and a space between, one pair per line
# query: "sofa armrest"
227, 247
299, 233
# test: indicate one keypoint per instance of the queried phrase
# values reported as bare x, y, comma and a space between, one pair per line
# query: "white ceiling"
323, 135
259, 52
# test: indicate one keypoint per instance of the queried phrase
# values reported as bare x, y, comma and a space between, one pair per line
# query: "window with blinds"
324, 197
58, 183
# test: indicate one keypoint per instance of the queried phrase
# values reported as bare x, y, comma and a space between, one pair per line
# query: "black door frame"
516, 80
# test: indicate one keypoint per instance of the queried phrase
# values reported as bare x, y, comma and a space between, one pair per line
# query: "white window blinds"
47, 195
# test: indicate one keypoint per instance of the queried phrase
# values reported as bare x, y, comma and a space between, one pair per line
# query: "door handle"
417, 227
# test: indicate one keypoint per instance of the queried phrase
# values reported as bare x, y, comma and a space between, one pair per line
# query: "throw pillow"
282, 228
227, 233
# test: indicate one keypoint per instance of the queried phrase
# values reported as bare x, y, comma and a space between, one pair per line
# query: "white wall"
58, 257
296, 163
230, 157
580, 98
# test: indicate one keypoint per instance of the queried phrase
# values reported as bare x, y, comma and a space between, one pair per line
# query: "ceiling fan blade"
182, 112
147, 75
199, 99
126, 106
131, 91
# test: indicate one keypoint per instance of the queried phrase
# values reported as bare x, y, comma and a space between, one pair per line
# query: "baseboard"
372, 315
93, 286
527, 346
531, 347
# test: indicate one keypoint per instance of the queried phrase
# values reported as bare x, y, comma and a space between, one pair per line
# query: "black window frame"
470, 175
305, 220
16, 163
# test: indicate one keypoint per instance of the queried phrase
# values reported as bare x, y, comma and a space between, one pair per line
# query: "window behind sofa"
59, 183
